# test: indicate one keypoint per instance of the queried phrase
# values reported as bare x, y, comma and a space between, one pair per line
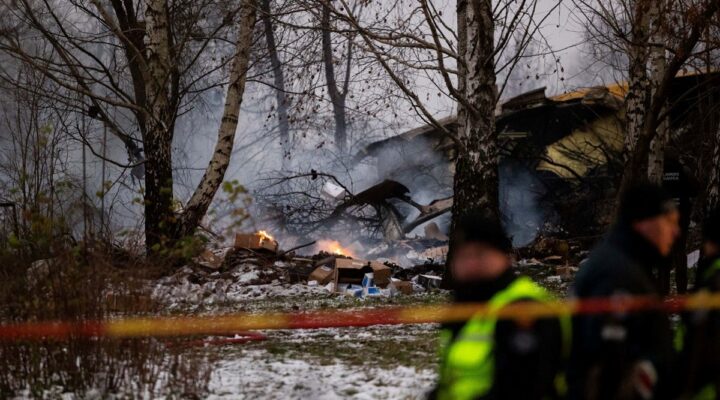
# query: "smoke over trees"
324, 77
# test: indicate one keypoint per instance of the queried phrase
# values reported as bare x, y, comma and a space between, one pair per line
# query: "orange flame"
265, 236
334, 247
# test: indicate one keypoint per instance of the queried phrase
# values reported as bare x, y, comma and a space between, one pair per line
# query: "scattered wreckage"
263, 263
255, 267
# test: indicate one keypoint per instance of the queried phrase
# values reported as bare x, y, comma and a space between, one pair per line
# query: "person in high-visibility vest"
698, 336
489, 358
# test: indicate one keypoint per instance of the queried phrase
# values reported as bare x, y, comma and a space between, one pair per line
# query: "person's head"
653, 214
480, 250
711, 235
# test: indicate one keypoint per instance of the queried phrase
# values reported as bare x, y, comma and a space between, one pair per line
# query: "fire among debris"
258, 240
264, 236
334, 247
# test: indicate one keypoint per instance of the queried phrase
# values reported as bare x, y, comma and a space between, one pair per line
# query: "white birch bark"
215, 172
638, 79
476, 180
658, 64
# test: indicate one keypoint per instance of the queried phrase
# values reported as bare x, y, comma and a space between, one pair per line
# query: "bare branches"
199, 203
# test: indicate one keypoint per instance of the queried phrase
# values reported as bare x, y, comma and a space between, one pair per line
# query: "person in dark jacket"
487, 357
699, 334
626, 356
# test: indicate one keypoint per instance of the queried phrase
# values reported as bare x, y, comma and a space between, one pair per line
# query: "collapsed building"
561, 156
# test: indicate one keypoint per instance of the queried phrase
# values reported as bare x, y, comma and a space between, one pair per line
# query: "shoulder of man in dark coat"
611, 268
605, 264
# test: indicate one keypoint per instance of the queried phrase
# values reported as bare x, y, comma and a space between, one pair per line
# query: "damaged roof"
598, 96
576, 129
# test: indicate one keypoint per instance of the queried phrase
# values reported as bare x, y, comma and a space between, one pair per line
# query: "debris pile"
412, 251
256, 268
553, 261
358, 278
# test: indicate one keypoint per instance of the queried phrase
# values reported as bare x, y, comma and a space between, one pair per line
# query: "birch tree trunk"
638, 79
643, 116
656, 158
476, 168
278, 81
658, 65
215, 172
159, 213
475, 181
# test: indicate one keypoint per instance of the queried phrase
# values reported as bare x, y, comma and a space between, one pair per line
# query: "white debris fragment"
693, 258
246, 281
333, 191
553, 279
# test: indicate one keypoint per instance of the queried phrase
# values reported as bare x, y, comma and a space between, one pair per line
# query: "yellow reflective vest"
467, 362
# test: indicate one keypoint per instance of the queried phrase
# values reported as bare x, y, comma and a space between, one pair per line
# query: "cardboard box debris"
350, 276
255, 241
323, 274
348, 271
402, 287
438, 253
353, 271
381, 273
429, 281
566, 273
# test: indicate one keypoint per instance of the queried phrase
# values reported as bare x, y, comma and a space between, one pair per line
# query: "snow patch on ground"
259, 375
245, 373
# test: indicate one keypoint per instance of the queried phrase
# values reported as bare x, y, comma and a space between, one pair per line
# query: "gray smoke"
520, 191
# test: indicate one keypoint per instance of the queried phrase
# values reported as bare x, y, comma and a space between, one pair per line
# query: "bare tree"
276, 65
633, 27
337, 93
464, 65
136, 66
200, 201
34, 175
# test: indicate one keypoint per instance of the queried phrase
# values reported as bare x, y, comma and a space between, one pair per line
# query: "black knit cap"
645, 201
478, 228
711, 227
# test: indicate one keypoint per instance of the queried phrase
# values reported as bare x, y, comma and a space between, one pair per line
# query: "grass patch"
384, 347
81, 285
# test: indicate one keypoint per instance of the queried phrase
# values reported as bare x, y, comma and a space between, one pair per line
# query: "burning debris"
334, 247
259, 241
256, 268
